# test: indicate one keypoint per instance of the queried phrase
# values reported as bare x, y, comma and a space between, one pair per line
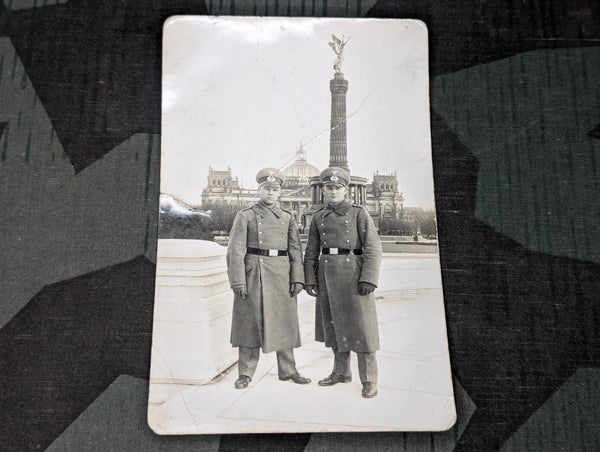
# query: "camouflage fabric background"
515, 104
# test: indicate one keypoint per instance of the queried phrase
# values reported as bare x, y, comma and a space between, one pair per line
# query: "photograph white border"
225, 104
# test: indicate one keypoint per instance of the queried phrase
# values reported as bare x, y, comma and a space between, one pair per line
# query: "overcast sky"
244, 92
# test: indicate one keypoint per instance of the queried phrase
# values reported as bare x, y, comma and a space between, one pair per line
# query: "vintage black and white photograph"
298, 284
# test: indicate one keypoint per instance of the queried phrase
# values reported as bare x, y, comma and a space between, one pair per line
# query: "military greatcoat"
268, 316
344, 318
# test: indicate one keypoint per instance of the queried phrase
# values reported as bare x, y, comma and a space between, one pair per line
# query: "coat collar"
264, 211
340, 209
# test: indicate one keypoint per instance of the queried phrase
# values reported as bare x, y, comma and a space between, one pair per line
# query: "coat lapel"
264, 211
340, 209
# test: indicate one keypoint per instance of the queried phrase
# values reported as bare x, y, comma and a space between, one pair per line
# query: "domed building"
381, 197
223, 189
299, 172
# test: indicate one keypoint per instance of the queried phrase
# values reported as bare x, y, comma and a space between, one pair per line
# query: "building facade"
383, 200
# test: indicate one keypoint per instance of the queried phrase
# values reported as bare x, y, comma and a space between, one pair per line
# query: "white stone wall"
192, 316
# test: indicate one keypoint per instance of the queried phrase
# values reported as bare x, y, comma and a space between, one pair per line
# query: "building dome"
299, 172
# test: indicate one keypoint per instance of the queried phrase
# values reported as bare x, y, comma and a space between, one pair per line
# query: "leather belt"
341, 251
260, 252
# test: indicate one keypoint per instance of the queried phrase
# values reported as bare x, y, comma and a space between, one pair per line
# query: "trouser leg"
367, 367
286, 364
341, 363
248, 360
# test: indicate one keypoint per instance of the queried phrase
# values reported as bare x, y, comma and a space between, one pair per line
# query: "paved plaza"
415, 387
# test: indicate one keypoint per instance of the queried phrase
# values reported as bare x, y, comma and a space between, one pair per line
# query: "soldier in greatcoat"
264, 264
341, 267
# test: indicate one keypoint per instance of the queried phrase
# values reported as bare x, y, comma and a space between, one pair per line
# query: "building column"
338, 154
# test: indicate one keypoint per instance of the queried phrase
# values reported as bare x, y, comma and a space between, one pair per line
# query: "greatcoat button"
347, 241
346, 221
261, 241
262, 260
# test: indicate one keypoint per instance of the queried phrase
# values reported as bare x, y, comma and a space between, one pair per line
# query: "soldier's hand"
295, 289
312, 290
240, 290
365, 288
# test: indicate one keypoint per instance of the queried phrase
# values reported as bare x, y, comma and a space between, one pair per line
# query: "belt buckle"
272, 252
334, 251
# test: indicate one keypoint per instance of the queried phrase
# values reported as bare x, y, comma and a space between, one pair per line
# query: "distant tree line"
184, 227
416, 221
218, 220
221, 217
